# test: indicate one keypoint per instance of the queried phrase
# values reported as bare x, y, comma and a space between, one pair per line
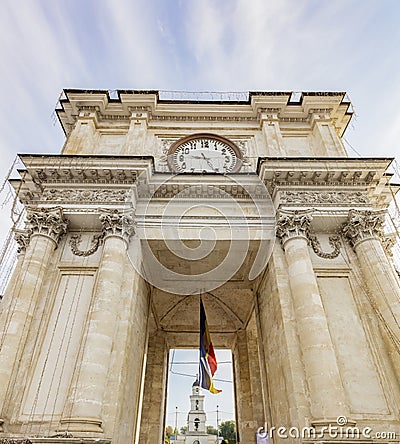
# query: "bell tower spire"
197, 415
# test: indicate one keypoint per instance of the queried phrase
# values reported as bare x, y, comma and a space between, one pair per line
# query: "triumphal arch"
252, 204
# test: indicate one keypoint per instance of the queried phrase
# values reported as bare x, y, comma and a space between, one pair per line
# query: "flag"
208, 361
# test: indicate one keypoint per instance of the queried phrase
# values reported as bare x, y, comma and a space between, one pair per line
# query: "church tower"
197, 432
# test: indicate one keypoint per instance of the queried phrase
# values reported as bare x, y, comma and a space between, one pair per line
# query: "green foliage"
227, 429
211, 430
184, 430
169, 431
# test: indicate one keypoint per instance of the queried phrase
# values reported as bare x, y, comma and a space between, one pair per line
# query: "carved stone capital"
22, 238
47, 222
117, 223
293, 224
388, 242
363, 224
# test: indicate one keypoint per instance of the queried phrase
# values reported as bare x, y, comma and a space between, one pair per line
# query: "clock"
204, 153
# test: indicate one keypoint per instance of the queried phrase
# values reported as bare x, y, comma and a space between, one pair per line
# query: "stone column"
364, 230
44, 229
86, 399
246, 425
151, 428
327, 397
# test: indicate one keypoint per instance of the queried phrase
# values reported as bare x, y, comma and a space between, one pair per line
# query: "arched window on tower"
197, 404
196, 424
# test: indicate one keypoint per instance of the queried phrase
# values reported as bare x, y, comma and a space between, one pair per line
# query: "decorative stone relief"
87, 175
324, 197
388, 242
162, 162
22, 238
116, 223
95, 243
334, 242
363, 225
47, 222
97, 196
297, 223
293, 224
15, 441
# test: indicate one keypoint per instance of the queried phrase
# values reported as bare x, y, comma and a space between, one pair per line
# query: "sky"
197, 45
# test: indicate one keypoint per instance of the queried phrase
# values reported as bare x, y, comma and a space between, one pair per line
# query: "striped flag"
208, 361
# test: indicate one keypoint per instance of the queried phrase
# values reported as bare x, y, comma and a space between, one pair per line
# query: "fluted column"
364, 230
86, 399
327, 397
44, 228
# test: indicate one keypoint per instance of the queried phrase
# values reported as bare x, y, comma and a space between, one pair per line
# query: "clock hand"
194, 157
211, 166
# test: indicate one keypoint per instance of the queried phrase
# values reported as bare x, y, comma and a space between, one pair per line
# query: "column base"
81, 424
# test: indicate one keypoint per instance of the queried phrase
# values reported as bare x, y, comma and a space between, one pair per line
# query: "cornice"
284, 106
327, 182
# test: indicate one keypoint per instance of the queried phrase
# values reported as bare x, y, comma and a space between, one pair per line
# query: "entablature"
327, 182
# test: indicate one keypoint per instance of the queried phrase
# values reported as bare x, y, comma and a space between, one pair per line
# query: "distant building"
197, 430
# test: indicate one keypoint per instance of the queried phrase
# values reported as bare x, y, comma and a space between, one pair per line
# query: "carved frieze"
84, 196
15, 441
320, 178
202, 191
363, 225
79, 175
353, 198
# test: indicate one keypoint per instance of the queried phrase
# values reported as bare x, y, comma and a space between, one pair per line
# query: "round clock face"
204, 153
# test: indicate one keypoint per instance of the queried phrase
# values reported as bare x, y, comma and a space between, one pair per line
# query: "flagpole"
176, 423
217, 426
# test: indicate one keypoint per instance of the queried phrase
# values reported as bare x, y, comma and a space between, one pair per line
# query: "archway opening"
219, 409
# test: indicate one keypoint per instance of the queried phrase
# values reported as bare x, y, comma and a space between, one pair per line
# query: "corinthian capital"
117, 223
293, 224
363, 224
22, 238
47, 222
